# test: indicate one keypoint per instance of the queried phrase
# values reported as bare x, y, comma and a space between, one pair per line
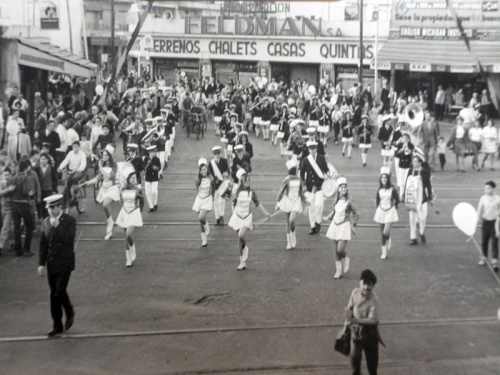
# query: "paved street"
185, 309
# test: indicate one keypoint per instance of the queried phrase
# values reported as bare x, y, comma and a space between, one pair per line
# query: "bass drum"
329, 187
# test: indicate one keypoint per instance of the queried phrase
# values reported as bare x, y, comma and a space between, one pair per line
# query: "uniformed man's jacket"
57, 250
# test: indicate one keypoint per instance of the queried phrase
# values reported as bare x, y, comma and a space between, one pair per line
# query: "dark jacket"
244, 162
153, 167
223, 167
309, 176
57, 245
53, 139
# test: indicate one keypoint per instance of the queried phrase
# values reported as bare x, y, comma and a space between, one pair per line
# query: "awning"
46, 56
438, 55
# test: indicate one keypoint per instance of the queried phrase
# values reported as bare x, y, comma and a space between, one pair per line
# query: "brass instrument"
414, 115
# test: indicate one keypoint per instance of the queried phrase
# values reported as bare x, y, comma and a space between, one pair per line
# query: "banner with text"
432, 19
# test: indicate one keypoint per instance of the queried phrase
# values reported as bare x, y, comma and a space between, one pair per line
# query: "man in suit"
428, 133
240, 160
51, 136
219, 169
417, 193
57, 253
158, 103
312, 173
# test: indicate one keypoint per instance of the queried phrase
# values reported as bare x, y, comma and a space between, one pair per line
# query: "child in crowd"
441, 150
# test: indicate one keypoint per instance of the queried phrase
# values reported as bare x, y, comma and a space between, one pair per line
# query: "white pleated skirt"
384, 217
203, 204
112, 192
287, 205
340, 232
237, 222
129, 219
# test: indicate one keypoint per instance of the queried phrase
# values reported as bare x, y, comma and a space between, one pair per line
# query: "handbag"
343, 341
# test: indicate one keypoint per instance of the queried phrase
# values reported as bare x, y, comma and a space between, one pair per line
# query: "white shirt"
63, 136
475, 134
72, 136
96, 132
75, 162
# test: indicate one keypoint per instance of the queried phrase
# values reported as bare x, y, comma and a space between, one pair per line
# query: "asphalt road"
185, 309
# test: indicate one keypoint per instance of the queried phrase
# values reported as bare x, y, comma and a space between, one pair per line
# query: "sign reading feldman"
432, 19
49, 18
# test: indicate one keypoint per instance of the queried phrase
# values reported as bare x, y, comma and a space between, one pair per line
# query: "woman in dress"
387, 201
489, 139
130, 216
385, 136
459, 140
344, 217
365, 132
404, 154
242, 219
203, 203
290, 201
475, 134
347, 134
109, 191
324, 124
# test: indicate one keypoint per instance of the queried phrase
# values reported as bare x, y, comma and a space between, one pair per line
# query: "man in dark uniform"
51, 136
240, 160
312, 173
57, 252
219, 169
135, 159
313, 136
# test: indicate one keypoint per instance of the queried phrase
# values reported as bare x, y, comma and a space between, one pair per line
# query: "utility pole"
112, 39
361, 49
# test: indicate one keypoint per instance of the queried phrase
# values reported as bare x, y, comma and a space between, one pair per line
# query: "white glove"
41, 271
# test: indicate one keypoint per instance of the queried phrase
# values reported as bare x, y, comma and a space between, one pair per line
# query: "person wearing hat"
365, 132
57, 254
240, 160
283, 134
325, 124
219, 169
243, 140
277, 114
203, 203
242, 219
344, 218
312, 173
218, 109
135, 159
417, 193
97, 130
130, 216
109, 191
347, 134
313, 136
404, 153
151, 177
291, 200
169, 119
387, 202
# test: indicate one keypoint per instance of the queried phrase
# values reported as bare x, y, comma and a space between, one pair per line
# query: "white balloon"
312, 89
465, 218
260, 84
264, 80
257, 79
99, 89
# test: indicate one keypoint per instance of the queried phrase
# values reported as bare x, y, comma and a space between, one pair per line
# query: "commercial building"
228, 42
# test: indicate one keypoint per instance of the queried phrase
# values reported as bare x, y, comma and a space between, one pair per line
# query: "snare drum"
313, 123
217, 119
323, 129
274, 127
280, 135
329, 187
224, 140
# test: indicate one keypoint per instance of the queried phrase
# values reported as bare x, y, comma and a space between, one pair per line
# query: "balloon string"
487, 263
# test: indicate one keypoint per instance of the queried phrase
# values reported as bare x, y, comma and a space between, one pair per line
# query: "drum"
225, 189
224, 140
329, 187
324, 129
313, 123
274, 127
389, 152
280, 135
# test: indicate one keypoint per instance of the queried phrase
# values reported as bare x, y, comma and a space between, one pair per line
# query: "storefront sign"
433, 19
312, 51
462, 69
380, 65
415, 67
238, 25
255, 7
49, 16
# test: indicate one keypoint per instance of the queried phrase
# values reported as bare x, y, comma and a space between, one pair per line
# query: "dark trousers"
22, 211
439, 111
442, 160
59, 299
336, 130
370, 347
488, 231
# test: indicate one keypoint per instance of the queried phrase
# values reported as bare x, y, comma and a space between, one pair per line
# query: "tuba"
414, 115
